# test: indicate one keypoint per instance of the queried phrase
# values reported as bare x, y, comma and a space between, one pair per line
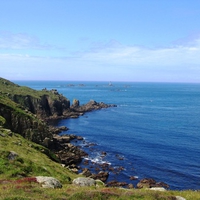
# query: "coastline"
88, 167
72, 155
47, 107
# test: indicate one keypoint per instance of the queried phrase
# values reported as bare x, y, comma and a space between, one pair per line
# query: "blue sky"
100, 40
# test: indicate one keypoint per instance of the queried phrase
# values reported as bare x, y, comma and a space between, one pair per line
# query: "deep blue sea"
154, 130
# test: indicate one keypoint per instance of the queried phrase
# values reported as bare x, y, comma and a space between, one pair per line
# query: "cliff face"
24, 109
44, 103
45, 106
25, 124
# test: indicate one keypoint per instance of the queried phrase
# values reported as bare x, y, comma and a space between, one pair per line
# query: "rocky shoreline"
72, 156
30, 113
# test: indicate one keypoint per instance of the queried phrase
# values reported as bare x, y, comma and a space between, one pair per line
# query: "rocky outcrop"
25, 124
151, 183
47, 105
27, 111
116, 184
102, 175
67, 153
91, 105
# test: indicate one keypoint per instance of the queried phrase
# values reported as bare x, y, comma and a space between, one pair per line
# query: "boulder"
12, 155
161, 189
48, 182
180, 198
81, 181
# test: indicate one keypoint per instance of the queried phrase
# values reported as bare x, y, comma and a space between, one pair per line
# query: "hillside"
30, 148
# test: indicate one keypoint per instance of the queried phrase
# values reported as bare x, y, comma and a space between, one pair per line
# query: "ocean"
154, 132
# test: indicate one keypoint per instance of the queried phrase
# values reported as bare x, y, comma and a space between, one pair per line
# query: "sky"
100, 40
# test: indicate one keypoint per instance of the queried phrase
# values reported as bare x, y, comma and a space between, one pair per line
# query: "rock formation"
27, 111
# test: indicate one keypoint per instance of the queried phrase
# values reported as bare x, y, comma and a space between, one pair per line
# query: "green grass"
14, 106
31, 161
9, 89
32, 191
36, 160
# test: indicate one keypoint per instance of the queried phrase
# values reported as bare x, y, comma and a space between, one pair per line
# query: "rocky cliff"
44, 103
22, 122
25, 110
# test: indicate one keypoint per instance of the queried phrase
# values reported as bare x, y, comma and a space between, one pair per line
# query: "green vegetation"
2, 121
9, 89
31, 160
14, 106
35, 160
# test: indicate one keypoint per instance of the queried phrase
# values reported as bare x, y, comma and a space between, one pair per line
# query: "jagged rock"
70, 154
146, 183
48, 182
130, 186
57, 130
92, 105
161, 184
75, 103
86, 172
30, 112
149, 183
75, 170
81, 181
116, 184
12, 155
62, 139
133, 178
47, 142
79, 138
103, 176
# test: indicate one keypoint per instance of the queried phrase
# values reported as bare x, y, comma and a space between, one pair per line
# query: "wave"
98, 159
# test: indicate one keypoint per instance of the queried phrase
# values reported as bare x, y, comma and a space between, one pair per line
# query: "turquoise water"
155, 128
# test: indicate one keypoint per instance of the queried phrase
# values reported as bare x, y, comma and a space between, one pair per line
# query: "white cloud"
136, 56
111, 61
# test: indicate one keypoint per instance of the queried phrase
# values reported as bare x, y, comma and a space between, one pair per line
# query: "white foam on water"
97, 160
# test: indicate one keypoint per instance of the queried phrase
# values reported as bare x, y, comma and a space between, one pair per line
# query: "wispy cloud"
137, 55
20, 41
107, 61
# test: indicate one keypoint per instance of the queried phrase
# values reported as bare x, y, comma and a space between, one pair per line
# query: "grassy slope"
32, 161
8, 87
